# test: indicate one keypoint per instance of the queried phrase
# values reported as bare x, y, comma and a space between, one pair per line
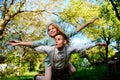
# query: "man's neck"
61, 48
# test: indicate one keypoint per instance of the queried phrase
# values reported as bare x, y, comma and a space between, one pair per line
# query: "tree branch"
19, 11
11, 3
4, 9
115, 8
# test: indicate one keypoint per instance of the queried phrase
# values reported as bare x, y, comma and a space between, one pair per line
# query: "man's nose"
51, 30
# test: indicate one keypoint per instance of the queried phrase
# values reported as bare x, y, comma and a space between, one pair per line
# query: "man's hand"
102, 44
13, 42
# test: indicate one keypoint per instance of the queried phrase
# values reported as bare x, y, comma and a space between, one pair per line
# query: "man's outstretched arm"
19, 43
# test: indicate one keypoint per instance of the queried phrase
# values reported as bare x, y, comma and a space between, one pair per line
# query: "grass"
25, 77
99, 72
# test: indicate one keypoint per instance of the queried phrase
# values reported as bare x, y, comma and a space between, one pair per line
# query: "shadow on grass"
99, 72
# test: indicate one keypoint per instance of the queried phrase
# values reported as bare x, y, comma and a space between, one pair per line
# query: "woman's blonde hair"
57, 27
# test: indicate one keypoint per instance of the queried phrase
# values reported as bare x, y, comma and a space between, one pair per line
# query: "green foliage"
105, 29
109, 18
79, 61
97, 54
78, 10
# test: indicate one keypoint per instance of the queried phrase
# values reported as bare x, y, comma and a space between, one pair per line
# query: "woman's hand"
94, 19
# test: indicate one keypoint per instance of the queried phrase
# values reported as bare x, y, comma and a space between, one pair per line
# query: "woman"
60, 54
53, 29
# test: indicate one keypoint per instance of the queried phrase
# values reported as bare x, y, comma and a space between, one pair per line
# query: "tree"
103, 30
111, 24
27, 25
9, 9
107, 30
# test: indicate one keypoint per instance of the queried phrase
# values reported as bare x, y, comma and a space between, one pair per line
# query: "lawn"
99, 72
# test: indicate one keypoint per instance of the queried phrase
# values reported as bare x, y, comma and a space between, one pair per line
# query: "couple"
54, 29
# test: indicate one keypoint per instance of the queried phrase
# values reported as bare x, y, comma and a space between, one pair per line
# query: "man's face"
59, 41
52, 31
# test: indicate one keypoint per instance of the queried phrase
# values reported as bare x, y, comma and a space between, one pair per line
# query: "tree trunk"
106, 57
106, 50
2, 27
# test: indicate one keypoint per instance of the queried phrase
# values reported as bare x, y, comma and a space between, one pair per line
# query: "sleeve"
40, 42
69, 29
44, 49
81, 48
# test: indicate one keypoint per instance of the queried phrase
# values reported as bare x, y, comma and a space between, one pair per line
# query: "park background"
27, 20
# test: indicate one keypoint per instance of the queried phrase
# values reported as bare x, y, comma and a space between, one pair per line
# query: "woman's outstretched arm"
86, 24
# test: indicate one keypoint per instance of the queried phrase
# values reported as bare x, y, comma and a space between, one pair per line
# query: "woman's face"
59, 41
52, 31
